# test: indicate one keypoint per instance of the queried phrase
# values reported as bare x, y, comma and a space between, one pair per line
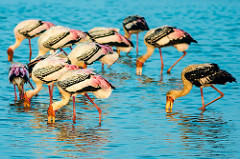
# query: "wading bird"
110, 37
27, 29
200, 75
88, 52
59, 37
47, 72
79, 81
134, 24
163, 37
18, 75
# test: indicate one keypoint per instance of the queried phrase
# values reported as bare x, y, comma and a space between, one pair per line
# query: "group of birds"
69, 70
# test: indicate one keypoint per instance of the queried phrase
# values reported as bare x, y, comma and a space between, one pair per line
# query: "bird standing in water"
18, 75
59, 37
200, 75
80, 81
163, 37
27, 29
88, 52
47, 72
134, 24
110, 37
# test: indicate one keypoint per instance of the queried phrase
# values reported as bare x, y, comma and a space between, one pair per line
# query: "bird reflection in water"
198, 130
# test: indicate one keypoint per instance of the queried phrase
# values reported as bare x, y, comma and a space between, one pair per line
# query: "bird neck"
150, 50
16, 44
187, 86
35, 91
65, 99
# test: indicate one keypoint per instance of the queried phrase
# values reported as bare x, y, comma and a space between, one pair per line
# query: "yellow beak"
27, 101
169, 104
51, 114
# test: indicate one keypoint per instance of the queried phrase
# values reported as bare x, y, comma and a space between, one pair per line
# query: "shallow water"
134, 124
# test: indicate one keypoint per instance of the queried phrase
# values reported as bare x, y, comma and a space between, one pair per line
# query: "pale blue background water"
134, 123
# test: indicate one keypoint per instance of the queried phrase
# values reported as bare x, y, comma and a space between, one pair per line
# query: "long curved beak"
169, 104
51, 114
10, 54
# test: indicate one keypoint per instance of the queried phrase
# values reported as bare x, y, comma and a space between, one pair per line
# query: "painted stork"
79, 81
47, 72
27, 29
163, 37
134, 24
18, 75
200, 75
59, 37
88, 52
111, 37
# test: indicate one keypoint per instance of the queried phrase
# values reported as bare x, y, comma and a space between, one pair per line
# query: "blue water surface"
134, 124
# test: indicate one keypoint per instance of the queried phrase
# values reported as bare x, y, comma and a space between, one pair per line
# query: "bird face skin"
169, 104
10, 54
27, 101
139, 66
51, 114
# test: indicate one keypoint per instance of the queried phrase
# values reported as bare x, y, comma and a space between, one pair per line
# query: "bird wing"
77, 81
156, 34
28, 26
206, 74
135, 23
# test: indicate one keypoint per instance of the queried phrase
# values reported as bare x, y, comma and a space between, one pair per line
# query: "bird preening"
200, 75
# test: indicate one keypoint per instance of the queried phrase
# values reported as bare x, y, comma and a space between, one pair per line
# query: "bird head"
170, 97
27, 100
10, 54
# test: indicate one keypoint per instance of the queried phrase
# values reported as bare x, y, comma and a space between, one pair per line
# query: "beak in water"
51, 114
27, 101
169, 104
10, 54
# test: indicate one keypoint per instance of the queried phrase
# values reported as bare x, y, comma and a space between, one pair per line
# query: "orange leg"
162, 65
204, 106
74, 110
30, 84
99, 109
50, 88
184, 54
63, 51
30, 47
102, 67
15, 93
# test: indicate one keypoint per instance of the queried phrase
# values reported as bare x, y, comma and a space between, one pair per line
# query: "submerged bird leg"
201, 90
137, 43
30, 47
162, 64
184, 54
74, 110
21, 93
221, 95
15, 93
102, 67
50, 88
99, 109
63, 51
30, 84
70, 47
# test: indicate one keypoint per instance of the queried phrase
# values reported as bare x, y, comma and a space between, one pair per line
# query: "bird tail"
105, 87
